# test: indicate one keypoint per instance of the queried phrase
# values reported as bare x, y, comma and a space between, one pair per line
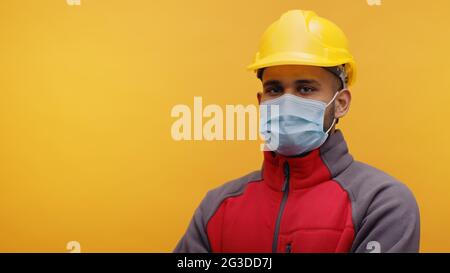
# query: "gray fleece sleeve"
391, 222
195, 238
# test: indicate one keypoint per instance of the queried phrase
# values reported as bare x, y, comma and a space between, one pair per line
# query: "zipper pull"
289, 248
286, 177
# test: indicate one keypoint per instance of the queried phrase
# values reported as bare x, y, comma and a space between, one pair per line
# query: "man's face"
309, 82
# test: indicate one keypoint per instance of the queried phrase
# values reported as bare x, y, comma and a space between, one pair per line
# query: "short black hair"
259, 73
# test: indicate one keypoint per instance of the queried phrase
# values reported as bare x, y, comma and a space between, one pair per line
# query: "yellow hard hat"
304, 38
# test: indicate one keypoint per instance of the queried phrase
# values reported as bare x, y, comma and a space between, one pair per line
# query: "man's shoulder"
235, 186
362, 178
371, 189
217, 195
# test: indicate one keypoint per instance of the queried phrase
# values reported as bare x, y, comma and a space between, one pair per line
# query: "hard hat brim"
296, 58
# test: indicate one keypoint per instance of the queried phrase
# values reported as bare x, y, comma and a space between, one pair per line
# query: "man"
310, 195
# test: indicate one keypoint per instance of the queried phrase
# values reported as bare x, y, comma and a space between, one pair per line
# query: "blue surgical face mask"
292, 125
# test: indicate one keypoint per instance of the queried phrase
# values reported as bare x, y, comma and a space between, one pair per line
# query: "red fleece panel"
245, 223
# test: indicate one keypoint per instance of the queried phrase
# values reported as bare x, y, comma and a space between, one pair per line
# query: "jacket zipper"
285, 190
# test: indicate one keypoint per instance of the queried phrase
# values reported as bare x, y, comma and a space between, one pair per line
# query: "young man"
310, 195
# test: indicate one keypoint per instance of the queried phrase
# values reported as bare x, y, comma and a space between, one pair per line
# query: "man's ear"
342, 104
258, 95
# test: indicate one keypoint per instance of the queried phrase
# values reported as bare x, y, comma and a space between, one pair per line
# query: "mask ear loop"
332, 124
334, 119
334, 97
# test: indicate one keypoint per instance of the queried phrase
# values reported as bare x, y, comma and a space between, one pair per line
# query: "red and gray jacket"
322, 202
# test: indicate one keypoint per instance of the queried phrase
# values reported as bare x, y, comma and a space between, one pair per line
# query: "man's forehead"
288, 72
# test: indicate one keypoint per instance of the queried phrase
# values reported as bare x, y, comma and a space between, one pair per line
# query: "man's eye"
273, 90
305, 89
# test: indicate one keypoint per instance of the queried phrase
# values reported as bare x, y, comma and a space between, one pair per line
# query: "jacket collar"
319, 165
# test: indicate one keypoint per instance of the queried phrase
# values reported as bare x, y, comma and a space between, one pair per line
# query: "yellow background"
86, 93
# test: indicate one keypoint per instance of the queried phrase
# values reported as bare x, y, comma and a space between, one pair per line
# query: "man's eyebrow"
272, 82
301, 81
